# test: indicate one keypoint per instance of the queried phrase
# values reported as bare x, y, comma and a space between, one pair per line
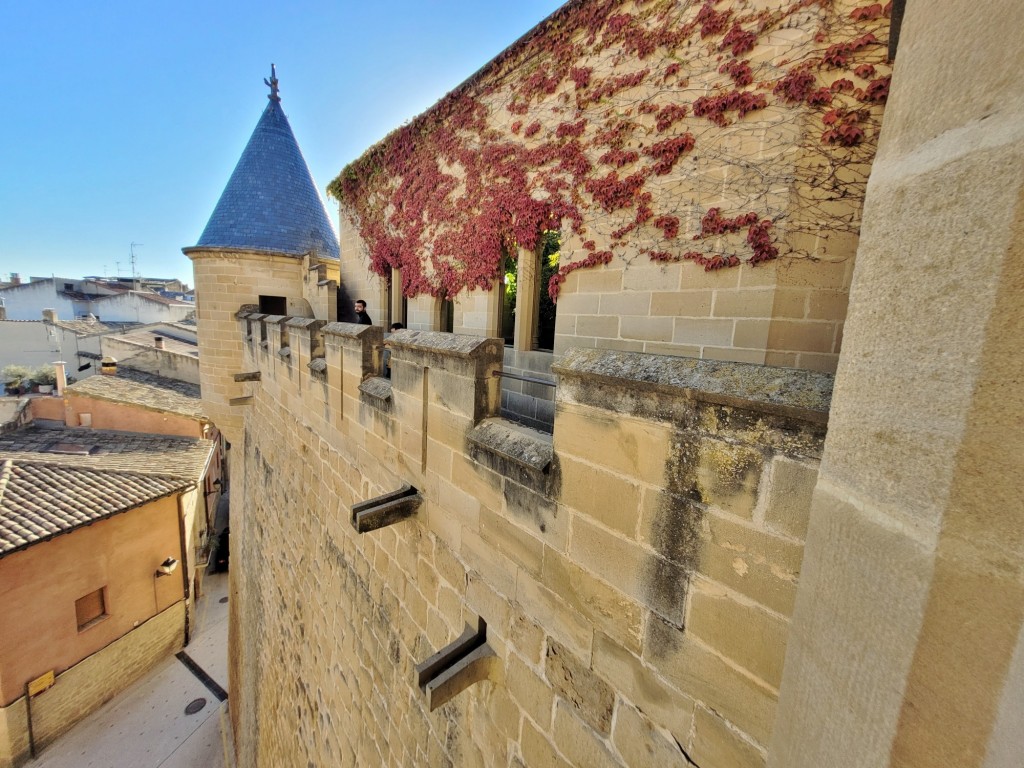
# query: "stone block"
578, 742
694, 276
707, 678
659, 329
756, 302
639, 573
511, 540
531, 692
602, 326
606, 497
628, 446
499, 571
828, 305
590, 697
717, 332
751, 333
801, 336
488, 605
643, 686
721, 474
641, 743
610, 610
537, 751
682, 303
747, 634
755, 563
787, 499
714, 743
634, 303
527, 637
558, 619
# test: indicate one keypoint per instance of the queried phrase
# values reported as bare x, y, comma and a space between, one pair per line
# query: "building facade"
723, 555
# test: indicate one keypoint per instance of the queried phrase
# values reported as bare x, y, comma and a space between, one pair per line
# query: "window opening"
447, 315
508, 298
273, 305
90, 609
551, 244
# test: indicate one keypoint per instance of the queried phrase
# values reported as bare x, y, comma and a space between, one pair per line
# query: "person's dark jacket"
362, 318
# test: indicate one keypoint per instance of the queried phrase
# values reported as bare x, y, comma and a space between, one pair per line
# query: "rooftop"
148, 390
41, 500
182, 458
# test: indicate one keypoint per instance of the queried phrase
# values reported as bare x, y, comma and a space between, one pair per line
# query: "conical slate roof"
270, 202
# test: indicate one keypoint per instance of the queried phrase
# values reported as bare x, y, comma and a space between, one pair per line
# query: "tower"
262, 245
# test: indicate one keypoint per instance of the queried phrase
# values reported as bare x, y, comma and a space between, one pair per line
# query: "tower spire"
275, 93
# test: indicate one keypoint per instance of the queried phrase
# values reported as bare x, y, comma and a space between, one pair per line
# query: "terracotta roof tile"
145, 389
40, 500
184, 458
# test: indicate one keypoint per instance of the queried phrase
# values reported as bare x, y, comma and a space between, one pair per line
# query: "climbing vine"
653, 128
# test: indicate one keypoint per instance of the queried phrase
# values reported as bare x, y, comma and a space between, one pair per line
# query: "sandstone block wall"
577, 110
227, 280
636, 573
88, 685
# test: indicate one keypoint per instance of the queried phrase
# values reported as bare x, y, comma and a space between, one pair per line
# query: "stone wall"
142, 357
88, 685
543, 99
636, 571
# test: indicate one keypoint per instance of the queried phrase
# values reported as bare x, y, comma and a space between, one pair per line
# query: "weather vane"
275, 94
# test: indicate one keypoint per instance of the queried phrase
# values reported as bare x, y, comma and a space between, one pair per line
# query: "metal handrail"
528, 379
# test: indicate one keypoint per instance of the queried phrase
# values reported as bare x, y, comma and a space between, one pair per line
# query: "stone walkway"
146, 726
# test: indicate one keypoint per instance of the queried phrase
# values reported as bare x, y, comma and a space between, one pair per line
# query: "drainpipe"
184, 559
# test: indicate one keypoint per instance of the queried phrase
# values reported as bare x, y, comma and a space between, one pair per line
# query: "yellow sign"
41, 683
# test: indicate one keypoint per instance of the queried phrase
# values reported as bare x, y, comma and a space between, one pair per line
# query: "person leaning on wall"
361, 317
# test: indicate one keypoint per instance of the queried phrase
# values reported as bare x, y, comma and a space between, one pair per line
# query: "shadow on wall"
346, 306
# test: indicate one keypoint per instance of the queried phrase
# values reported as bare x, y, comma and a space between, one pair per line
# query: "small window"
508, 276
447, 316
549, 253
91, 609
273, 305
69, 286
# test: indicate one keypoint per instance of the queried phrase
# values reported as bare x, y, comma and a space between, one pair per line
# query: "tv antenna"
135, 274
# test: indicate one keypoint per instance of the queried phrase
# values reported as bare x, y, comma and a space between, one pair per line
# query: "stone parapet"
656, 536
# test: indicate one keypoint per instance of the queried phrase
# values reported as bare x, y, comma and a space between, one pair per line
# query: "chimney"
15, 278
158, 342
108, 366
50, 315
62, 377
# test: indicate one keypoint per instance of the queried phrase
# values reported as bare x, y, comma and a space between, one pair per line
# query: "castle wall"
636, 573
574, 117
907, 637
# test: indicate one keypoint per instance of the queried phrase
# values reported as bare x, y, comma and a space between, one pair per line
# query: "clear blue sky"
123, 120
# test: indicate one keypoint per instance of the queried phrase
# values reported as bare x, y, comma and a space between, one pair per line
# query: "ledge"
378, 389
449, 344
349, 330
279, 319
318, 365
248, 309
524, 446
305, 322
804, 395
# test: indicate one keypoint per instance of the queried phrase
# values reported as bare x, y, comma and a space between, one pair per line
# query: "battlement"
656, 535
